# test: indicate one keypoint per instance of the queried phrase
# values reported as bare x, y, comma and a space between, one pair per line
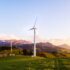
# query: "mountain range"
41, 46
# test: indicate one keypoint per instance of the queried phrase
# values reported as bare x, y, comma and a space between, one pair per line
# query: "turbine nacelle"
33, 28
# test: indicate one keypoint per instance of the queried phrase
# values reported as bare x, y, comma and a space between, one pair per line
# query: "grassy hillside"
34, 63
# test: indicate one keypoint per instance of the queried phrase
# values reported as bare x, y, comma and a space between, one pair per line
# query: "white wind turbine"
11, 46
34, 29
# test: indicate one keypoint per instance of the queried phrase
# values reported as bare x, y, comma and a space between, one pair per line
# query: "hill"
42, 48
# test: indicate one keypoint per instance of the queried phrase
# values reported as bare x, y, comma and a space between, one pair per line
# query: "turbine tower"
11, 46
34, 29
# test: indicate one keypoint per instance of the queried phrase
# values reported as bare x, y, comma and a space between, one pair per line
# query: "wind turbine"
11, 46
34, 29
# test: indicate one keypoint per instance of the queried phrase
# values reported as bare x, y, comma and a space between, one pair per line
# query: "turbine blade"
35, 21
31, 28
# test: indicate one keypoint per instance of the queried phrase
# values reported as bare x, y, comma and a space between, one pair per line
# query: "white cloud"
8, 37
38, 39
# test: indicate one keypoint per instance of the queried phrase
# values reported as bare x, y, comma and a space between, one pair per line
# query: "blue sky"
18, 16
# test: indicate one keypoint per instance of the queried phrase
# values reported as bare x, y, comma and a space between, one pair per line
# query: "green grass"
34, 63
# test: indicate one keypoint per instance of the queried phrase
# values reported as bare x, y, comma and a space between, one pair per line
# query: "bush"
27, 52
45, 54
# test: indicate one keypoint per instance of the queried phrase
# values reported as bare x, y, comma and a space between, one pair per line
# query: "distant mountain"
3, 43
17, 42
56, 41
14, 42
47, 47
65, 46
41, 47
63, 43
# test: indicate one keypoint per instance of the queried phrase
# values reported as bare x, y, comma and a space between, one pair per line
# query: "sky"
18, 16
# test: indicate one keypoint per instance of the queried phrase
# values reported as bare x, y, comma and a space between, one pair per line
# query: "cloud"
59, 41
8, 37
38, 39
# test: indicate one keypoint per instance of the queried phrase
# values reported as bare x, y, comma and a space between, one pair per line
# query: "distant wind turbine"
11, 46
34, 29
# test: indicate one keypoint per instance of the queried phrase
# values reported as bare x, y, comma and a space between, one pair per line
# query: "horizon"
17, 17
55, 41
